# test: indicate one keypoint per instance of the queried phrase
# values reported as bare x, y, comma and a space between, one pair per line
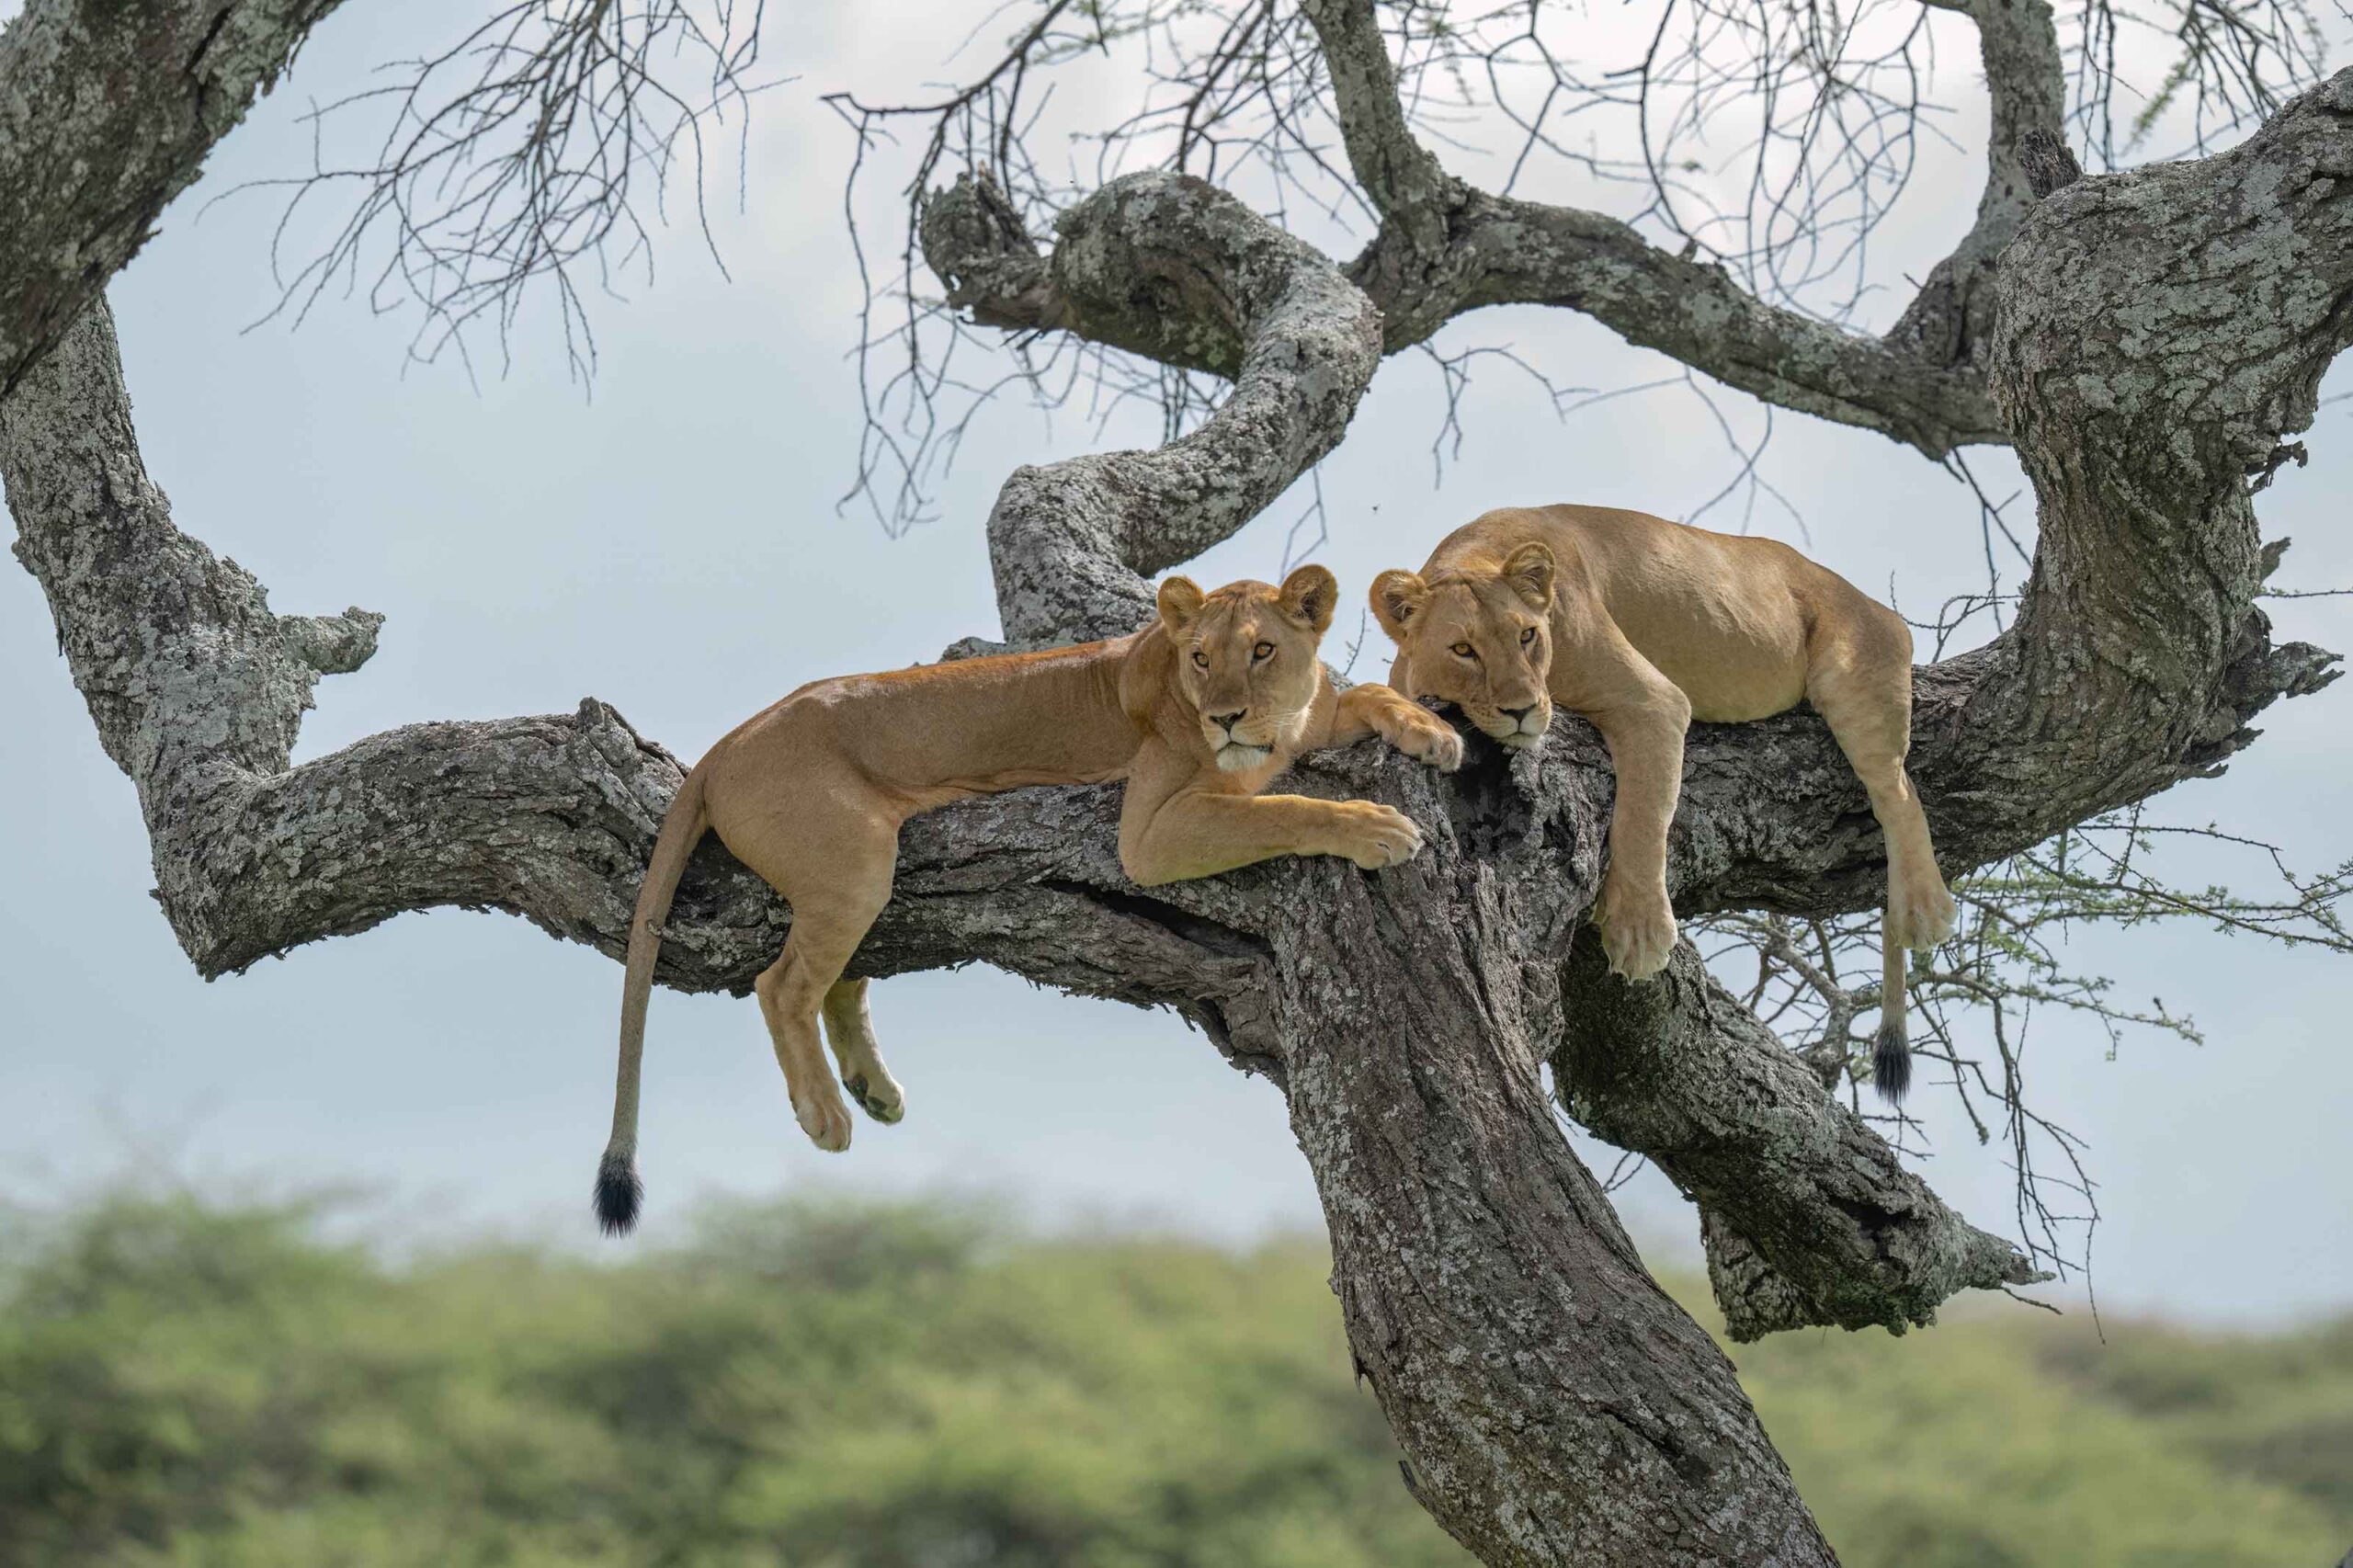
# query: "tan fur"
1197, 713
1642, 625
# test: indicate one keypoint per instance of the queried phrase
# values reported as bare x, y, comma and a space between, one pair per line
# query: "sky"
671, 539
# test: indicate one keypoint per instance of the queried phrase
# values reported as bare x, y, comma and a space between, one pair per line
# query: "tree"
2142, 340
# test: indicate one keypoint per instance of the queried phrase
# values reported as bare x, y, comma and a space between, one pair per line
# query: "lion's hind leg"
834, 868
850, 1028
1860, 681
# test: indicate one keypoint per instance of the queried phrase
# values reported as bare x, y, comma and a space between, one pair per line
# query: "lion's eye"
1464, 651
1200, 658
1527, 636
1263, 651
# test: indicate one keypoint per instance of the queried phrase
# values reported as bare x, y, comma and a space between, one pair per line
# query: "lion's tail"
1890, 1049
619, 1191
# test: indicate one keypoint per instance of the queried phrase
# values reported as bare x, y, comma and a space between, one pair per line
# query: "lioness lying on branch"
1641, 626
1197, 713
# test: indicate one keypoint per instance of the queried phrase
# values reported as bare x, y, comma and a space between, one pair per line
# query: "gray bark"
108, 108
1446, 248
1170, 266
1807, 1216
1950, 320
2152, 335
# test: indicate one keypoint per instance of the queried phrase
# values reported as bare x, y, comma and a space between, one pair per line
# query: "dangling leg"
1861, 683
850, 1031
836, 875
1860, 680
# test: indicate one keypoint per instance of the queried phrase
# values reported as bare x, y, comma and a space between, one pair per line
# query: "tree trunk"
1554, 1405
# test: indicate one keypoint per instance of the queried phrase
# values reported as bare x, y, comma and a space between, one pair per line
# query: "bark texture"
108, 108
1173, 269
2152, 336
1808, 1216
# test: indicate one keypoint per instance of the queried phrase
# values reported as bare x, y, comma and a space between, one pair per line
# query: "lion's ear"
1397, 598
1530, 569
1180, 600
1308, 595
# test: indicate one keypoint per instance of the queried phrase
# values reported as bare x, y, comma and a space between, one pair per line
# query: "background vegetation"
917, 1387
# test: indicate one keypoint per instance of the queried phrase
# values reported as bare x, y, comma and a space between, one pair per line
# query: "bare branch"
1445, 248
521, 153
1952, 317
1172, 267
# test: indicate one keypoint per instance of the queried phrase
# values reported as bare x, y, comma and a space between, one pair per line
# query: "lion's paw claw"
1382, 836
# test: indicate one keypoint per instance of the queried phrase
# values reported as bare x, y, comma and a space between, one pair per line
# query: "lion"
1641, 626
1196, 712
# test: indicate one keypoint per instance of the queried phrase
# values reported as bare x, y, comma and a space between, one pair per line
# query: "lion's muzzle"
1237, 744
1517, 728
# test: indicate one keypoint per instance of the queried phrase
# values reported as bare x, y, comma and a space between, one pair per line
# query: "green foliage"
1995, 1442
894, 1387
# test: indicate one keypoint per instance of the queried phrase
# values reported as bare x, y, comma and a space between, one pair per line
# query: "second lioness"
1197, 713
1642, 625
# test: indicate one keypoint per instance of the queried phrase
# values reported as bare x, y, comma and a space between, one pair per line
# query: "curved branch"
1446, 248
107, 111
1171, 267
191, 680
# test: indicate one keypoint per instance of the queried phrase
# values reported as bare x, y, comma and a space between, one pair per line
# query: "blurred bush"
924, 1387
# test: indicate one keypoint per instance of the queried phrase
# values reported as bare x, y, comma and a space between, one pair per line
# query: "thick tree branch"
1810, 1216
108, 108
197, 688
1446, 248
191, 680
1172, 267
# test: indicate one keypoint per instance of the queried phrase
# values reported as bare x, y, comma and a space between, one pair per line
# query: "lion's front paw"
1375, 836
824, 1117
1637, 931
1432, 742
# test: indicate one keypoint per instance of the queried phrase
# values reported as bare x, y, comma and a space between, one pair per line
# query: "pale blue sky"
672, 545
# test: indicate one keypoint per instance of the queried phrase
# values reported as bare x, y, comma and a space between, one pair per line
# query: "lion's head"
1478, 637
1246, 659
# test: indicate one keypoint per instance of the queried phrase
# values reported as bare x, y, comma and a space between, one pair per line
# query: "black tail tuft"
1890, 1061
619, 1193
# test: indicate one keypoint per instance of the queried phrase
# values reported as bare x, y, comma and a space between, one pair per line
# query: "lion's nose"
1227, 721
1516, 714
